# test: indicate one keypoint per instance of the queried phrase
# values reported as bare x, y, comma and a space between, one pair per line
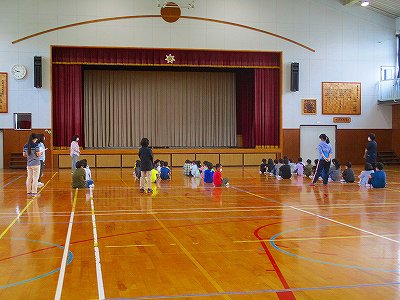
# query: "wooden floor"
261, 238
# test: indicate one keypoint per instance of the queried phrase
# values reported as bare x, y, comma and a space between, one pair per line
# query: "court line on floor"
24, 209
7, 184
267, 291
193, 260
320, 216
99, 274
60, 281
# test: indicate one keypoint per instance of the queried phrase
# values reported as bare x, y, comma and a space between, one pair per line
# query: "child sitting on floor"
137, 171
218, 180
270, 166
209, 173
308, 168
88, 174
79, 175
165, 172
378, 178
285, 170
155, 176
299, 167
334, 170
348, 174
186, 168
365, 175
263, 167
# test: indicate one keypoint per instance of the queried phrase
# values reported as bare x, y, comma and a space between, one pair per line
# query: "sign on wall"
341, 98
3, 93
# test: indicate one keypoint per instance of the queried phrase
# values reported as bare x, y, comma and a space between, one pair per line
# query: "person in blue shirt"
378, 178
209, 174
325, 154
165, 172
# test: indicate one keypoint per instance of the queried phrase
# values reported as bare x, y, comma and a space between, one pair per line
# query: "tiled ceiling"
389, 8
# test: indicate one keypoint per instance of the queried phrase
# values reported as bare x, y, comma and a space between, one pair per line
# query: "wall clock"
18, 71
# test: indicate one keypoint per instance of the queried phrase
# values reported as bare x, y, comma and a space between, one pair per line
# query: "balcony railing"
389, 91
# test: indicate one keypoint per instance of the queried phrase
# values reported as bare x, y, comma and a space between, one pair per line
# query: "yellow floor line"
194, 261
127, 246
24, 209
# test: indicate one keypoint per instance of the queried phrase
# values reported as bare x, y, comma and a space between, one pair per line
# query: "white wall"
351, 44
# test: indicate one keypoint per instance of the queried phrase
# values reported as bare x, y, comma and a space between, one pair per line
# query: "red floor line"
289, 295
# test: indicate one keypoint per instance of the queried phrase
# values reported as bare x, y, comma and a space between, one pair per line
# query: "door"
309, 140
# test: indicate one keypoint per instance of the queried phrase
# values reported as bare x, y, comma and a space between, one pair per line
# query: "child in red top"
218, 180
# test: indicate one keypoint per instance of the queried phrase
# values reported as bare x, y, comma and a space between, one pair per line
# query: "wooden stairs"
388, 158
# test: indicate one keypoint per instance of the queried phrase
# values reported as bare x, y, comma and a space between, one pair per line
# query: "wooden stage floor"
261, 238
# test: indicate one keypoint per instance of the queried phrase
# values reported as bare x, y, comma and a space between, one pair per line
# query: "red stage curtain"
149, 57
267, 87
67, 104
245, 107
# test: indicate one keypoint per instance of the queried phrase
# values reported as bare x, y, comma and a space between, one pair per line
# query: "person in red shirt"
218, 180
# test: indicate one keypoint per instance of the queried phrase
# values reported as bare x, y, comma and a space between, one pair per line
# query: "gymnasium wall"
351, 44
350, 143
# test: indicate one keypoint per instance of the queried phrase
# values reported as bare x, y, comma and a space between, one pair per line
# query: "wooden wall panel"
164, 157
129, 161
91, 159
108, 161
396, 129
64, 161
14, 141
351, 143
255, 159
291, 143
179, 159
213, 158
231, 159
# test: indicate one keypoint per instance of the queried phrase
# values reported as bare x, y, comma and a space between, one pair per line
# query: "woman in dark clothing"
146, 162
371, 150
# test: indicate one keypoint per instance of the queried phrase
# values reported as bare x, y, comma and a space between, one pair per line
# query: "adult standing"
74, 151
42, 157
325, 155
146, 162
32, 152
371, 151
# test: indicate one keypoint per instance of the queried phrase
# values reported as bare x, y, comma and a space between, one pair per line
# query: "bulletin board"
341, 98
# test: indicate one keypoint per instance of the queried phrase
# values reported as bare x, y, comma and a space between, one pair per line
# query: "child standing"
300, 167
378, 178
209, 174
146, 164
42, 157
365, 175
348, 174
218, 180
165, 172
74, 151
263, 167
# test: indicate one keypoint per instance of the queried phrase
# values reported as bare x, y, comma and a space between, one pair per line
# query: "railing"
389, 91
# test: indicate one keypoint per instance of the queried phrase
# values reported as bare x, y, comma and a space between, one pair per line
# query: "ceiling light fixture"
364, 3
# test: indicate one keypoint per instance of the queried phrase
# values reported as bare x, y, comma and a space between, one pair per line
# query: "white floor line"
66, 249
99, 274
322, 217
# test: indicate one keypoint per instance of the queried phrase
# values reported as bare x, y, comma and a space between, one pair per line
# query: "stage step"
388, 157
17, 161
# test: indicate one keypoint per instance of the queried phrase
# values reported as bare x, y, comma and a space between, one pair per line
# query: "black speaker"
37, 71
294, 77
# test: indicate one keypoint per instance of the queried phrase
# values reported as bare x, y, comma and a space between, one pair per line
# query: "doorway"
309, 140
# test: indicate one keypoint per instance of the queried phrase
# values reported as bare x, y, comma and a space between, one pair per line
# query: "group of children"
207, 171
284, 168
160, 171
82, 176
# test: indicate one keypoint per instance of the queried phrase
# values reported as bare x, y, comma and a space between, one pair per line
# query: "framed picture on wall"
3, 92
309, 106
341, 98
